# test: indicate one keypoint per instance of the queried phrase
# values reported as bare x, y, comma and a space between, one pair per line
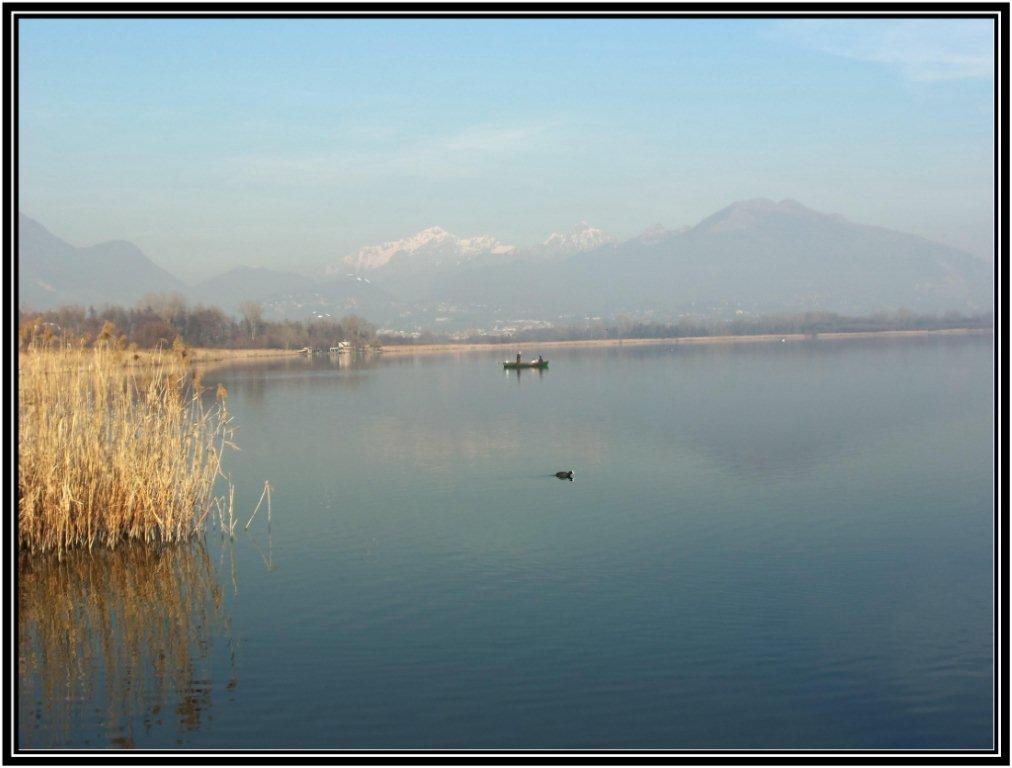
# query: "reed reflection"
115, 646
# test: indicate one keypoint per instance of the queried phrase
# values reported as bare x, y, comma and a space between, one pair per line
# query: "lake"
764, 546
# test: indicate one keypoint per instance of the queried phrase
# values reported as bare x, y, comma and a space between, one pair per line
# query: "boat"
514, 365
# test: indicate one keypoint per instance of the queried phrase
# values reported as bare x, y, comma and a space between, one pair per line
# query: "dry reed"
109, 451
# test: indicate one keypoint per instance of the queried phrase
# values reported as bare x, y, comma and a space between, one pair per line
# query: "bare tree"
253, 314
168, 306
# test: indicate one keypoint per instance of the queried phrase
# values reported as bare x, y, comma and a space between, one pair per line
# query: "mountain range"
753, 256
52, 272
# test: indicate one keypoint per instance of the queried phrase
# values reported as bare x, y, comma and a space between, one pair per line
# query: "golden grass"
109, 451
202, 355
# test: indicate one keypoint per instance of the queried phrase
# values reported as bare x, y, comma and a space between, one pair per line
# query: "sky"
291, 143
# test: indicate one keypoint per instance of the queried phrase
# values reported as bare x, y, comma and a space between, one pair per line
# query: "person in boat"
541, 360
518, 358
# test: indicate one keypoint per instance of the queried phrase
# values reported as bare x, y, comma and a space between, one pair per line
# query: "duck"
566, 475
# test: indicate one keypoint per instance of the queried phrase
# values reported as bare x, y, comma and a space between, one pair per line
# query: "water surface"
782, 545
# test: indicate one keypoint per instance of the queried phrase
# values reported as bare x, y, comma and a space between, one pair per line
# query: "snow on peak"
580, 238
433, 246
483, 244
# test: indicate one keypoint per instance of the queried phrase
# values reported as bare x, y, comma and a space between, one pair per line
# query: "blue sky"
290, 143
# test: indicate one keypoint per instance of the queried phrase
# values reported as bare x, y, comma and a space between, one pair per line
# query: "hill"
52, 272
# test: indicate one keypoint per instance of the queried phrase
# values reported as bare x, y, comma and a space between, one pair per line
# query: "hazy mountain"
429, 249
415, 268
658, 232
52, 272
419, 268
295, 296
756, 255
229, 289
579, 239
334, 297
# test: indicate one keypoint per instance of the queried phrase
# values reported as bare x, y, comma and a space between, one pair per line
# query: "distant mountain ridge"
437, 249
766, 256
430, 248
579, 239
229, 289
753, 256
52, 272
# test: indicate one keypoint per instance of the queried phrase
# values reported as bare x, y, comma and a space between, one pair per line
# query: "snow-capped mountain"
579, 239
432, 247
759, 256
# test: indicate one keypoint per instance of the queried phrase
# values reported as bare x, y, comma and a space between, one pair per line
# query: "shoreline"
456, 348
201, 356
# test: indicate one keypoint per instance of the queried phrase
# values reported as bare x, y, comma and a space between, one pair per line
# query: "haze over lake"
765, 545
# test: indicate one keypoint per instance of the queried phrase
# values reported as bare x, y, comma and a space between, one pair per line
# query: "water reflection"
519, 373
440, 449
808, 405
766, 409
751, 409
117, 644
792, 538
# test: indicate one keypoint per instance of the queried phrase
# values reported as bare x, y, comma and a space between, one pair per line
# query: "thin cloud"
457, 154
492, 138
922, 50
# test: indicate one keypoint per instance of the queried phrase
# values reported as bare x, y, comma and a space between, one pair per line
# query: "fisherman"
540, 360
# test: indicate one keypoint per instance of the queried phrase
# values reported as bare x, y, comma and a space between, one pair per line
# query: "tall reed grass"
110, 452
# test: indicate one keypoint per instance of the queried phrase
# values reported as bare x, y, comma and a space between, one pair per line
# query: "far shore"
529, 346
203, 356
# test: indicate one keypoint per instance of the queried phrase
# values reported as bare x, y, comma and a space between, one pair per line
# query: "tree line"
808, 323
160, 319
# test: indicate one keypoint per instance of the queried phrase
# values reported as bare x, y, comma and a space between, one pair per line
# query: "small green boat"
509, 366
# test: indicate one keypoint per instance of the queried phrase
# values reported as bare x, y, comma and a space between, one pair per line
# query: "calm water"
764, 546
